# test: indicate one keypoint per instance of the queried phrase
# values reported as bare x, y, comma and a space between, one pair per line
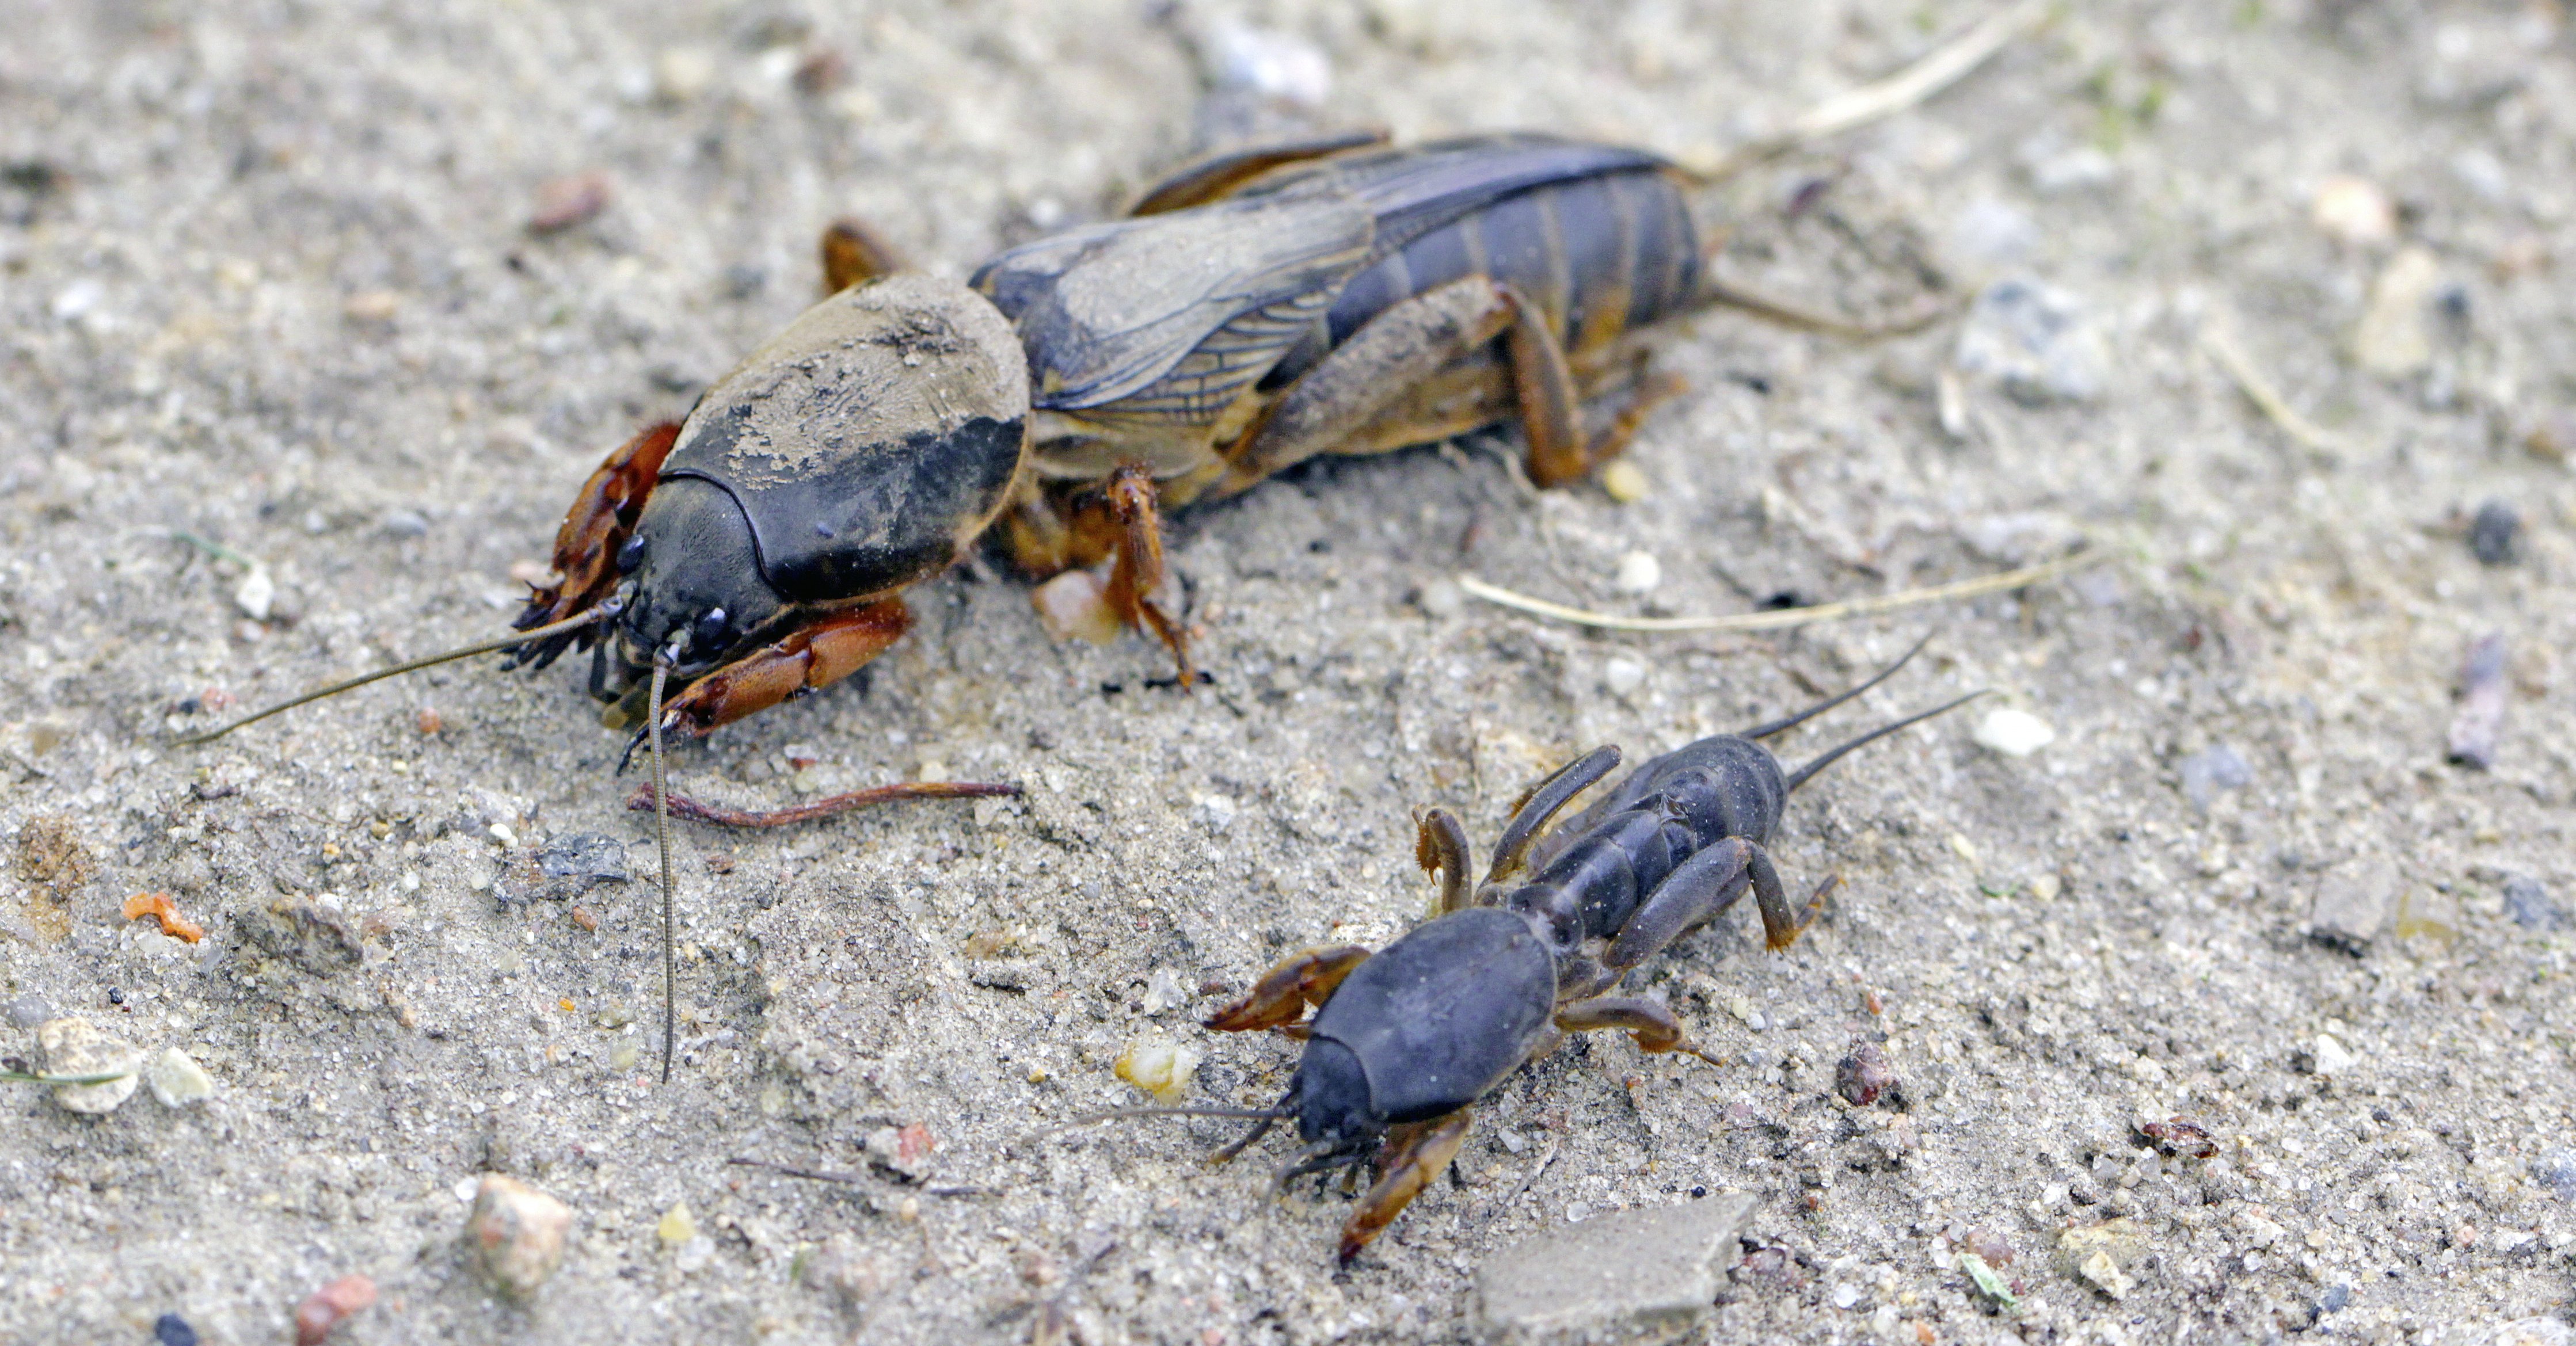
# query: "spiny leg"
853, 253
1281, 996
1649, 1022
1414, 1157
594, 531
1217, 175
1531, 814
1788, 722
1137, 573
816, 654
1551, 401
1376, 368
1440, 847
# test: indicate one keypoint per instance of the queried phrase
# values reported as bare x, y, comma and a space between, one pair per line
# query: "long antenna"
1799, 777
592, 618
662, 841
1811, 712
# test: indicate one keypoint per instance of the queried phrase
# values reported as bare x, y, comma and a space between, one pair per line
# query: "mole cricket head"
1332, 1093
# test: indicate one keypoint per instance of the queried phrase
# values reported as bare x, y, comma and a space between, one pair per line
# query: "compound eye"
630, 555
708, 635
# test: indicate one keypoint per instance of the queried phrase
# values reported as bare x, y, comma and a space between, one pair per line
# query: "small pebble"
256, 594
2334, 1299
2211, 772
74, 1046
677, 1225
172, 1330
1441, 598
331, 1306
566, 201
29, 1010
2354, 212
1625, 482
2395, 336
1864, 1076
2350, 911
2530, 905
2495, 534
2332, 1058
680, 74
1268, 64
2014, 733
2478, 724
1622, 675
517, 1234
2106, 1275
2036, 342
2556, 1170
1639, 573
177, 1080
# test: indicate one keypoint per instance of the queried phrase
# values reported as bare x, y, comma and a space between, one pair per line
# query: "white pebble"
255, 594
1623, 675
2332, 1059
177, 1080
1441, 598
1639, 573
2014, 733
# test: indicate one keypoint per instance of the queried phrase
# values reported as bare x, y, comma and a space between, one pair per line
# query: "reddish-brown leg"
1138, 570
1413, 1158
817, 654
602, 517
852, 253
1282, 995
1650, 1022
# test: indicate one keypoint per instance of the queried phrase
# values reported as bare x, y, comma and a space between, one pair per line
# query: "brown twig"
697, 811
1788, 617
2266, 398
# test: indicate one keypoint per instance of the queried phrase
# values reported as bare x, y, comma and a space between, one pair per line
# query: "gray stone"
1655, 1267
562, 869
2556, 1170
2211, 772
2036, 342
2495, 534
2350, 911
74, 1046
2530, 906
29, 1010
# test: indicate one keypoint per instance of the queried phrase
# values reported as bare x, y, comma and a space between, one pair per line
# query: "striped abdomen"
1601, 255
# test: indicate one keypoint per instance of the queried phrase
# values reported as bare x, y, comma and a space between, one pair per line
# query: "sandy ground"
266, 282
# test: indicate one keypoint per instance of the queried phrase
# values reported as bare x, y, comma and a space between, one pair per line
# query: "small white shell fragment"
1622, 675
177, 1080
255, 594
1639, 573
2014, 733
2354, 212
1159, 1067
